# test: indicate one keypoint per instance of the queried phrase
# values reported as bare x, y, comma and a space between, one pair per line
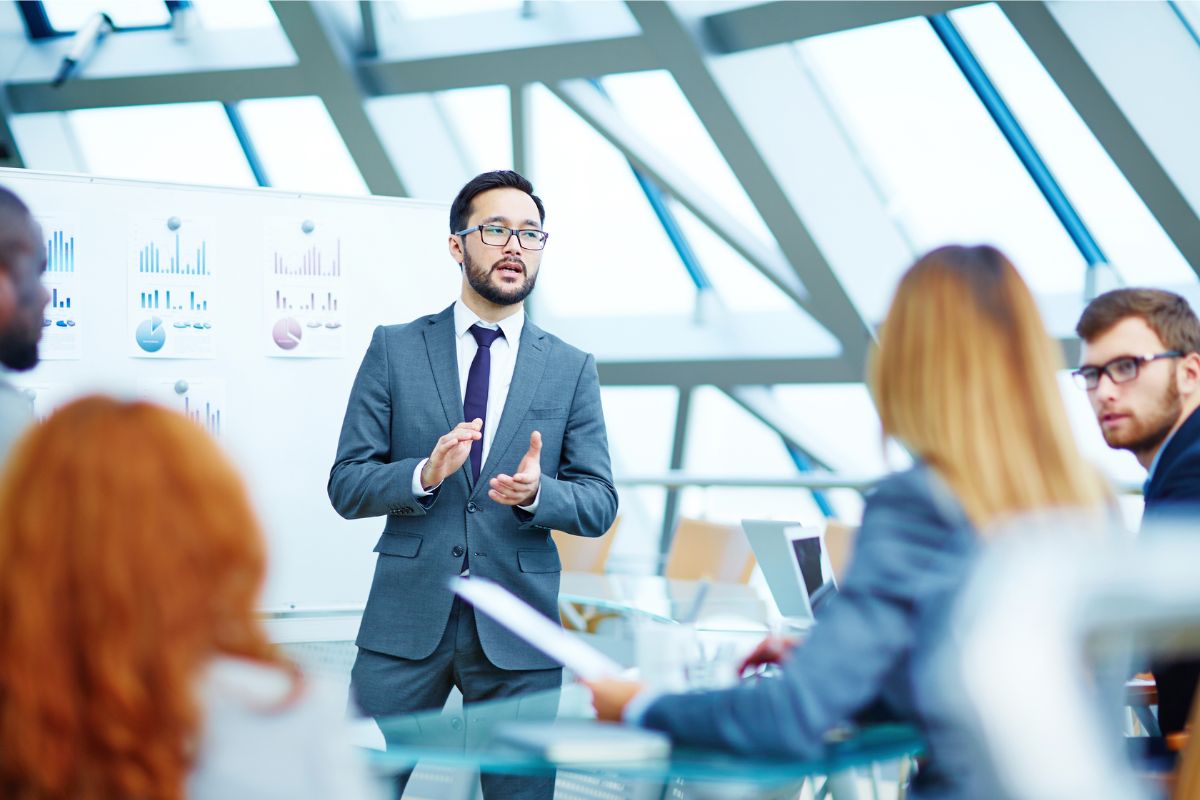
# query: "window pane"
184, 142
654, 106
299, 147
739, 284
1189, 10
480, 119
941, 164
838, 424
227, 14
69, 15
607, 254
641, 426
1125, 229
724, 439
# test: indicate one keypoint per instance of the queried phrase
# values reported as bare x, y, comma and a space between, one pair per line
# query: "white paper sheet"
510, 611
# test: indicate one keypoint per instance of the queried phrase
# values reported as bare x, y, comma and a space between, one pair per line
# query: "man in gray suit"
475, 433
22, 302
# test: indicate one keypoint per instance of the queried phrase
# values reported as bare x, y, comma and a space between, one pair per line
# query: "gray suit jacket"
873, 647
405, 397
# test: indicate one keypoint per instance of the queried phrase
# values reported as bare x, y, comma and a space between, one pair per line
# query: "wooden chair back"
585, 553
709, 550
839, 545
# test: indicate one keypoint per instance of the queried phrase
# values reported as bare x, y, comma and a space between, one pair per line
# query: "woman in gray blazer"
964, 378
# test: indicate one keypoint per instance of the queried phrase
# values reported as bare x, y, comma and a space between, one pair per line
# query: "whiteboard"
265, 302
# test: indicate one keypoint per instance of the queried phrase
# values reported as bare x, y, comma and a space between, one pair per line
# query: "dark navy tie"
476, 399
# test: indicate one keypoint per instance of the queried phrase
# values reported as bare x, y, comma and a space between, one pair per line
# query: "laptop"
793, 561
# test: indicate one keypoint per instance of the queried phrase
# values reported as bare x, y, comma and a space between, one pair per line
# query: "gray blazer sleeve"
362, 482
900, 560
580, 498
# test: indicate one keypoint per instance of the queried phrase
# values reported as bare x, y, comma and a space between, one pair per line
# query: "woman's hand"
771, 650
610, 696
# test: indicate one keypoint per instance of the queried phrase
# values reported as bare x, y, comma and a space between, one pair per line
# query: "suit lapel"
1183, 439
443, 360
527, 376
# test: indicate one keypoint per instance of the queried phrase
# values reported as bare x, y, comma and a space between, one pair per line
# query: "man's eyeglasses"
1119, 370
498, 236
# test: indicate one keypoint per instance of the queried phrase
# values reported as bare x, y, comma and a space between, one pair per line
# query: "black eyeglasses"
498, 236
1119, 370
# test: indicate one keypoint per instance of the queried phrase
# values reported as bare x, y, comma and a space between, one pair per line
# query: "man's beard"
479, 279
18, 354
1148, 433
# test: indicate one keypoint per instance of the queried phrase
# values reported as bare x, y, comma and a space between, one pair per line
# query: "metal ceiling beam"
186, 82
327, 63
13, 40
1112, 128
729, 372
225, 86
680, 53
775, 23
598, 111
750, 371
547, 62
368, 47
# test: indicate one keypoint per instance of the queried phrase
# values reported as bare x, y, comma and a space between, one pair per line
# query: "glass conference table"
472, 738
722, 606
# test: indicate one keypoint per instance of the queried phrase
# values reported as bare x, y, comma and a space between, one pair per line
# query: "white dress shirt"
504, 359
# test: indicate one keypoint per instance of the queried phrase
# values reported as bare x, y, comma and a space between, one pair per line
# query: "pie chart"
151, 335
286, 333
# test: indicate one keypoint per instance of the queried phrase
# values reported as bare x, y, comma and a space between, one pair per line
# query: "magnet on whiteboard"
308, 226
181, 386
173, 223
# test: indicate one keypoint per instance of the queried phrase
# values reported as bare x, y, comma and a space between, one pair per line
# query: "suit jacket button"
471, 507
457, 551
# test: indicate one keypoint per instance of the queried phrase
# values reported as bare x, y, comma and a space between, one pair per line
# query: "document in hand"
585, 741
522, 619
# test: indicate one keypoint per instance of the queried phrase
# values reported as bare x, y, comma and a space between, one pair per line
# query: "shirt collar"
512, 325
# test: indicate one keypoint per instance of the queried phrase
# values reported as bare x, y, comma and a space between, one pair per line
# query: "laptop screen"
808, 557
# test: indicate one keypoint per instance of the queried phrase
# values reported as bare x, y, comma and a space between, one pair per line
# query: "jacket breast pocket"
539, 561
548, 413
406, 545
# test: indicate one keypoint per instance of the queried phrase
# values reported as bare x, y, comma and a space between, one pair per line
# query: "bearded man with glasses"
1141, 371
474, 433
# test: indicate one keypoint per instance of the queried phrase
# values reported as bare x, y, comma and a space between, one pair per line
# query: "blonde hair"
964, 376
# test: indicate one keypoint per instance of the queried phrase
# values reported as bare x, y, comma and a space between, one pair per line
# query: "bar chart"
184, 300
200, 399
205, 414
311, 262
178, 262
307, 301
60, 252
59, 299
62, 333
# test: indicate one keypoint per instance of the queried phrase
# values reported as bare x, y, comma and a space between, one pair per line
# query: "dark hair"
460, 209
1166, 313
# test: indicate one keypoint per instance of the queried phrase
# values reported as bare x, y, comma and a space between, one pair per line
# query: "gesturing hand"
450, 453
521, 488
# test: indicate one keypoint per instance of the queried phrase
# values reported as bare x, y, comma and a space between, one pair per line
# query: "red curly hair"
129, 558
